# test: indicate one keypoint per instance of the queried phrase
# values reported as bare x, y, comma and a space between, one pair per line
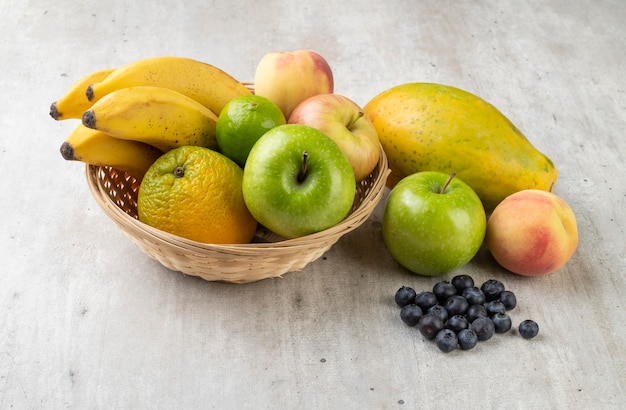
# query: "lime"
242, 122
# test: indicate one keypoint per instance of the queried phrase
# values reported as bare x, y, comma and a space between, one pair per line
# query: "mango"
436, 127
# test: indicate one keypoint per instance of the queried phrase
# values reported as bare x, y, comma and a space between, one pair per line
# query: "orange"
195, 192
242, 122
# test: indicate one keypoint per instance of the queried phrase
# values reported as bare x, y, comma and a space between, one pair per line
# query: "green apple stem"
450, 178
302, 173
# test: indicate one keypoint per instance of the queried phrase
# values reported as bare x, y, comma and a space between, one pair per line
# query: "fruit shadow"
365, 252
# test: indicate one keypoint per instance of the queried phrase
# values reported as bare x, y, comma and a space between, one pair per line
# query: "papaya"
436, 127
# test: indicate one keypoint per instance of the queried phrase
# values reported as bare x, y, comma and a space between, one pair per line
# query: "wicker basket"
267, 256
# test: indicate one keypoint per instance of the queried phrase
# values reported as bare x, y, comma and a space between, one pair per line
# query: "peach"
289, 77
532, 232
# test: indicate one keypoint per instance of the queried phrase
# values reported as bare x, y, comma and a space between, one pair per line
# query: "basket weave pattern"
267, 256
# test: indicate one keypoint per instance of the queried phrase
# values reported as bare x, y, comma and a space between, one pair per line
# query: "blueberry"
501, 322
492, 289
483, 327
462, 282
405, 295
476, 311
446, 340
439, 311
457, 323
508, 298
467, 339
456, 305
429, 325
425, 300
411, 314
495, 306
443, 290
459, 314
474, 295
528, 329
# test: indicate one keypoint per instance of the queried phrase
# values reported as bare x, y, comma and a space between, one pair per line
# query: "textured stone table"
87, 321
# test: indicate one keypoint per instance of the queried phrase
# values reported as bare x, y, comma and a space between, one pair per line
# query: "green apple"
297, 181
433, 223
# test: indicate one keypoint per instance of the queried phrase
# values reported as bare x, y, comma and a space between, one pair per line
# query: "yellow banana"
157, 116
203, 82
98, 148
74, 102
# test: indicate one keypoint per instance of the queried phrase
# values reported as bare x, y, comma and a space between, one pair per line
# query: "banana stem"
89, 119
67, 151
89, 92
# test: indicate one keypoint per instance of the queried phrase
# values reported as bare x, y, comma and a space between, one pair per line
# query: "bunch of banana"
133, 113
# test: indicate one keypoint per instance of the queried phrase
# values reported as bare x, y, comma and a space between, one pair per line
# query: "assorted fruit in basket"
216, 157
186, 128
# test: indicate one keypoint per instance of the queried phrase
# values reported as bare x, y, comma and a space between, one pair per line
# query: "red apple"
289, 77
343, 121
532, 232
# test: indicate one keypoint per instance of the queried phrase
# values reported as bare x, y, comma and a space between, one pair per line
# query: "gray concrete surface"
87, 321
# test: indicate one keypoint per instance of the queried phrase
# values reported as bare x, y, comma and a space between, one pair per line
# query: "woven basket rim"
350, 223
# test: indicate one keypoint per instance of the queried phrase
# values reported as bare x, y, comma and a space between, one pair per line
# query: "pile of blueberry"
458, 314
